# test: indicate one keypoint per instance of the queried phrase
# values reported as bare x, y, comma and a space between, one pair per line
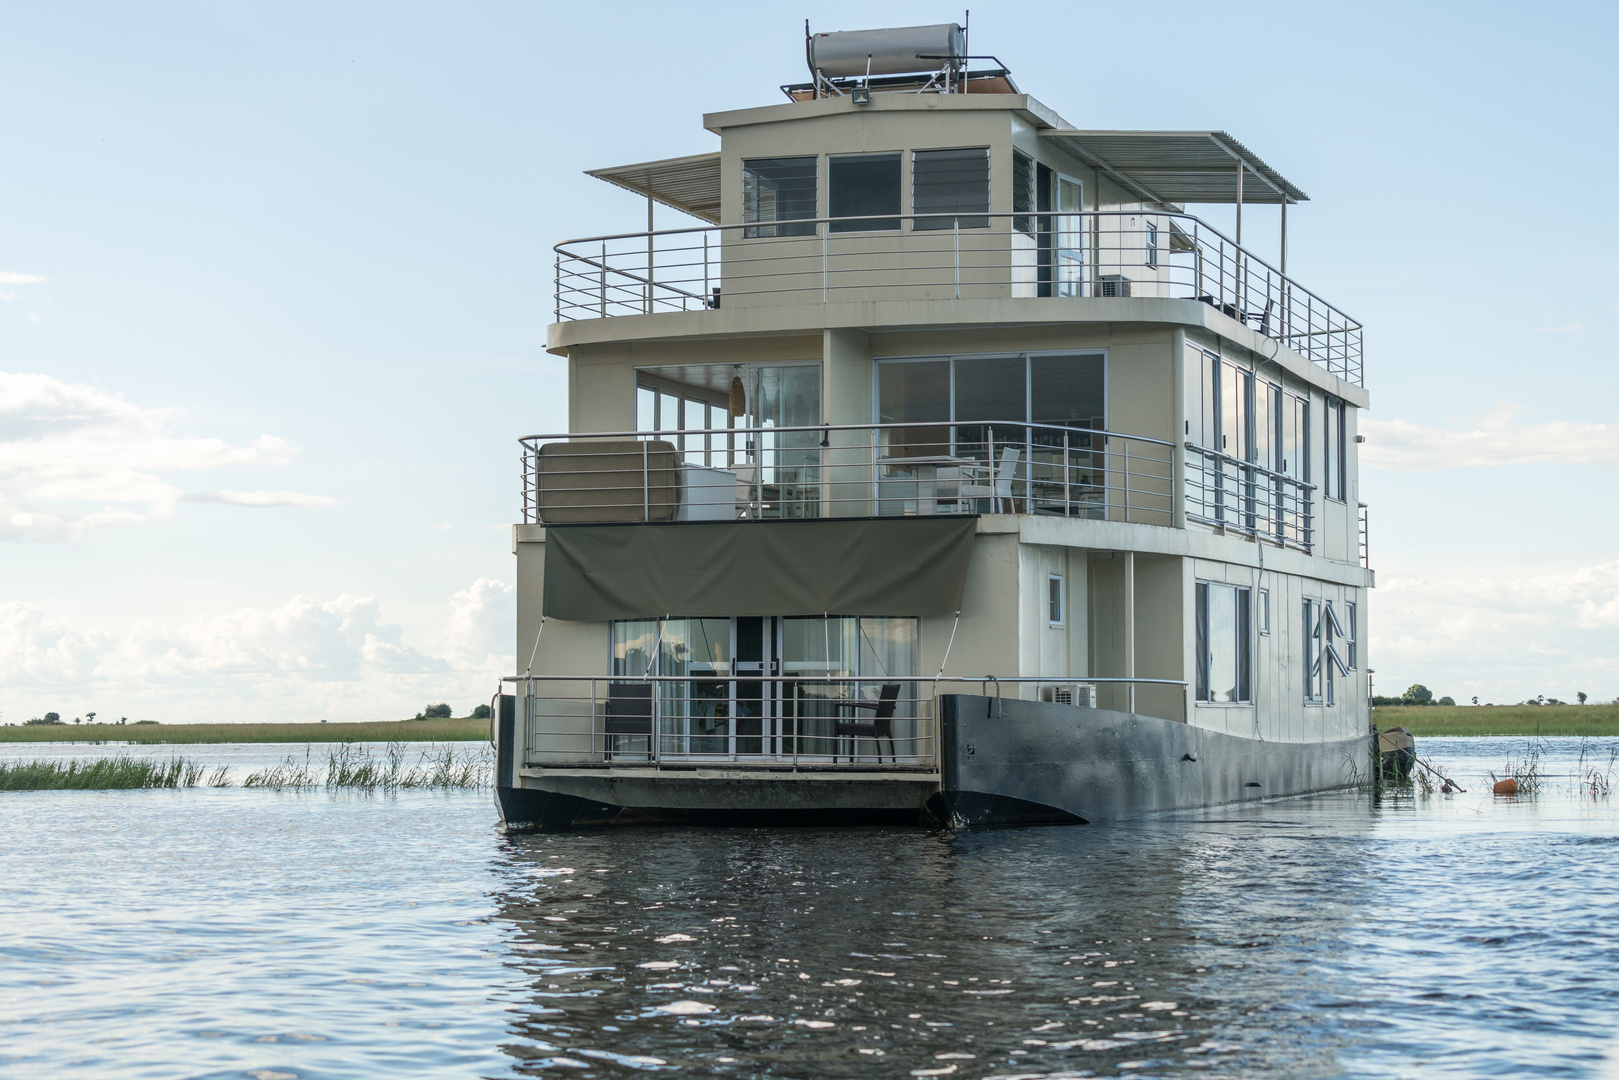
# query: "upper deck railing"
1108, 253
843, 470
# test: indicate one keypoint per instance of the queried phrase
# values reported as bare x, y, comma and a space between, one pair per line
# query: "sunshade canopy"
1178, 166
690, 184
849, 566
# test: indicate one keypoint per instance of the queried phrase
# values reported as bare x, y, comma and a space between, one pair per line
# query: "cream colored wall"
987, 639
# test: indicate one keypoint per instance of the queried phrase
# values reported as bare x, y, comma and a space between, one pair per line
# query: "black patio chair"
881, 726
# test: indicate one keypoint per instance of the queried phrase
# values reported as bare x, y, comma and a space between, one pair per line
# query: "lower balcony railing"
765, 721
874, 470
1244, 497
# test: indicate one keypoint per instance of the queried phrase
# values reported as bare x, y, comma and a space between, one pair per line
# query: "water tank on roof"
894, 51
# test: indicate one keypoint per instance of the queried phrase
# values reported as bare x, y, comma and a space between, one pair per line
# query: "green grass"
1501, 719
109, 774
455, 730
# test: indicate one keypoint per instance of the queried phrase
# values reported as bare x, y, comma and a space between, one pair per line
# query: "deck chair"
881, 726
629, 716
746, 492
1003, 481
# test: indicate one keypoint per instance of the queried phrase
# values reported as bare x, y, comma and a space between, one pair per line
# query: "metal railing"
1249, 498
752, 720
844, 470
1110, 253
1365, 538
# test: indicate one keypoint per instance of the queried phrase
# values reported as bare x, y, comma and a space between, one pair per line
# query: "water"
249, 933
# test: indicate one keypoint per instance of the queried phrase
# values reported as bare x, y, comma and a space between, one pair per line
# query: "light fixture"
862, 96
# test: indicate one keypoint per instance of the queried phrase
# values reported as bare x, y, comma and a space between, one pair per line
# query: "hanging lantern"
739, 398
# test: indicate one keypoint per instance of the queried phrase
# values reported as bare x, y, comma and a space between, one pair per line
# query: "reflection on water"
240, 933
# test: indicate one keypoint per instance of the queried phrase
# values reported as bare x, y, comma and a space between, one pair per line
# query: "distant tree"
89, 718
1417, 694
138, 722
1581, 696
481, 712
52, 718
441, 711
1447, 700
1475, 699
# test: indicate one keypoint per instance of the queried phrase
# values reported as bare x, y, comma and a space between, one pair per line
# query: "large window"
954, 182
864, 186
1224, 669
1065, 389
778, 190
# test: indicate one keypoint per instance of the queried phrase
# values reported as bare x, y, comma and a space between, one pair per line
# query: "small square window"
1054, 599
863, 187
1264, 611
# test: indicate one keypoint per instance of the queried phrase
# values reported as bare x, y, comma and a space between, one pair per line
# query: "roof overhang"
689, 184
1178, 166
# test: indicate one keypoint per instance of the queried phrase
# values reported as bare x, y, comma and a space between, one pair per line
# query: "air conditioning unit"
1081, 694
1112, 285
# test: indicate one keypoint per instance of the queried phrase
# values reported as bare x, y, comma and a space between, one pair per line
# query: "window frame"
1203, 688
1056, 597
1152, 244
882, 223
776, 227
965, 219
1262, 612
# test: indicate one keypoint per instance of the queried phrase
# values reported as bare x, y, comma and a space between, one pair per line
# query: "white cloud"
9, 278
308, 659
73, 457
1502, 637
1496, 440
262, 498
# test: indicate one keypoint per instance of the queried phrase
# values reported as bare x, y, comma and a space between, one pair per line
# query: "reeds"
110, 774
1596, 780
448, 766
356, 767
1525, 770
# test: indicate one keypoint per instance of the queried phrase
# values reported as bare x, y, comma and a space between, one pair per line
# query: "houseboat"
942, 469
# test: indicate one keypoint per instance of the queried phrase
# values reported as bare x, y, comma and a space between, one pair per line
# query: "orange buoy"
1506, 787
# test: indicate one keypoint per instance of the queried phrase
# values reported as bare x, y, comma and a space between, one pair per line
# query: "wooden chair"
881, 726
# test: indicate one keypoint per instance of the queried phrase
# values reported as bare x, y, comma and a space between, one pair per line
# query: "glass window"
992, 388
1054, 599
1069, 391
1324, 662
1223, 668
1264, 611
952, 182
864, 186
1333, 450
1351, 637
1022, 191
778, 190
1152, 244
914, 392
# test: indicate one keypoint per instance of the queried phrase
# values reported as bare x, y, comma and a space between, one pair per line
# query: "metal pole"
649, 227
1067, 477
708, 294
958, 259
826, 238
1130, 623
1236, 285
602, 296
1284, 234
646, 482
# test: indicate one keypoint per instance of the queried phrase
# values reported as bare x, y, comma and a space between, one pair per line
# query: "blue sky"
274, 282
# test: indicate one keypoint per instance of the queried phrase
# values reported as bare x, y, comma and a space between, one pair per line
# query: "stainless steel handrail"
677, 269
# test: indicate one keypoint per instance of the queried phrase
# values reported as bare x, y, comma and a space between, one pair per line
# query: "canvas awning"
1178, 166
861, 566
689, 184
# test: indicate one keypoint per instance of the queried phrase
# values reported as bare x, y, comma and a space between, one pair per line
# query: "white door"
1070, 239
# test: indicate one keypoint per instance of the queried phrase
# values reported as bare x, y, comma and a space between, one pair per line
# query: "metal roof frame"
1178, 166
689, 184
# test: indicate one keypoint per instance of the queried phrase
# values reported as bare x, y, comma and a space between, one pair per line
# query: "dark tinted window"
954, 182
1022, 191
1067, 390
863, 186
779, 190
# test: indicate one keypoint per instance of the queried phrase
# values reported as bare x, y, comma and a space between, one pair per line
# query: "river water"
249, 933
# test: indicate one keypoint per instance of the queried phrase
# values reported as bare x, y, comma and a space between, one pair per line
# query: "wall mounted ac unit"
1112, 285
1081, 694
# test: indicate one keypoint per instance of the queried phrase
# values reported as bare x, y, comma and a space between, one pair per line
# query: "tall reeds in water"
110, 774
351, 766
346, 767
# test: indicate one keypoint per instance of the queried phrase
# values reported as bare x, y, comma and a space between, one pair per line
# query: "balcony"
872, 470
1106, 254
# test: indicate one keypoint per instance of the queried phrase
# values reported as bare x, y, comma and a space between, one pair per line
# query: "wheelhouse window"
780, 191
1054, 599
953, 182
1224, 668
1152, 245
1334, 482
864, 186
1022, 191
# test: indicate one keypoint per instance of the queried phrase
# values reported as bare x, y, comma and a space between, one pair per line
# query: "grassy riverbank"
346, 767
452, 730
1502, 719
109, 774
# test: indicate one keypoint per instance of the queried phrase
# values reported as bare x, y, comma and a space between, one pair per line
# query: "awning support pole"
1284, 234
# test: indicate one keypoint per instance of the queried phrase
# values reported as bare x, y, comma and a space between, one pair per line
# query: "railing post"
601, 296
707, 292
876, 502
1067, 478
557, 292
994, 478
646, 482
1127, 486
958, 257
826, 239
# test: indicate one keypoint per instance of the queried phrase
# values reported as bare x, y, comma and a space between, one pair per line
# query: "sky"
275, 280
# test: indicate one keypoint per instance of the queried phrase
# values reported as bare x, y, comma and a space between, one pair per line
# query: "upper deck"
940, 200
